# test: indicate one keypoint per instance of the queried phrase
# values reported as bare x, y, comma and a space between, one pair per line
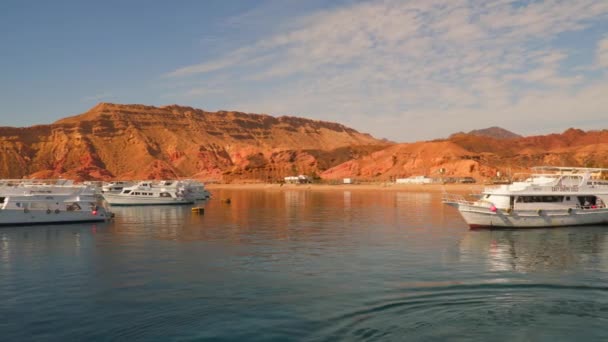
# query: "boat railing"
455, 198
547, 188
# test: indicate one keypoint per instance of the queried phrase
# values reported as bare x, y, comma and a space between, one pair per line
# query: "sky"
397, 69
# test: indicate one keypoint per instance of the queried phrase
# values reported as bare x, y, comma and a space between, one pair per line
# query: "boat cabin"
140, 193
534, 202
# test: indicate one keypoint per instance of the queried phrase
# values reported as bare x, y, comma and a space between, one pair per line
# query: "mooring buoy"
198, 210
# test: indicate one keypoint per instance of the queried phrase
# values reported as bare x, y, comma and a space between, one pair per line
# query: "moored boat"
50, 208
149, 193
550, 197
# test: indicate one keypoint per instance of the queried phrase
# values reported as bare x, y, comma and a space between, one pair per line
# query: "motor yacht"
27, 209
150, 193
550, 197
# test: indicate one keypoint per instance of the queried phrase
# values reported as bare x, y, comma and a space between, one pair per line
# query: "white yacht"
550, 197
150, 193
27, 209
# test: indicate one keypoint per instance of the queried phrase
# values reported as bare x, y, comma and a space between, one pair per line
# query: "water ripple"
302, 265
472, 311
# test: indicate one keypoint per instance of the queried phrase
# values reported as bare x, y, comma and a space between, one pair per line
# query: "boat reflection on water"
559, 249
163, 222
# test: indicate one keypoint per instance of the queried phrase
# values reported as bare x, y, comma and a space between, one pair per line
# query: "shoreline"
351, 187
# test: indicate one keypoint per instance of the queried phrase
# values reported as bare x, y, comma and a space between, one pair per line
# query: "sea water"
302, 265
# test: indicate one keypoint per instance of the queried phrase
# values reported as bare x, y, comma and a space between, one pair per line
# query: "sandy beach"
352, 187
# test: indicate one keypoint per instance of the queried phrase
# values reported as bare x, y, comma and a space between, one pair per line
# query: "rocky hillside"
113, 141
479, 156
136, 141
495, 132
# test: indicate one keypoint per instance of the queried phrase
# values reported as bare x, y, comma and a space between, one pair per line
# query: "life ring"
56, 211
508, 210
48, 211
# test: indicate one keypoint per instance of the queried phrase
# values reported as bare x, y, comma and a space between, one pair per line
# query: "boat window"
150, 194
540, 199
2, 199
567, 198
587, 201
570, 180
126, 191
73, 207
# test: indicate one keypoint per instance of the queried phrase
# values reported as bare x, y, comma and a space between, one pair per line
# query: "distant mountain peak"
495, 132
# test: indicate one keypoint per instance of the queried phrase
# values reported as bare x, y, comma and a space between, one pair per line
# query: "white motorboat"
551, 197
27, 209
150, 193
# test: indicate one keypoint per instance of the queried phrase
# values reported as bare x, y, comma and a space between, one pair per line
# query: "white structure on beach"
414, 180
301, 179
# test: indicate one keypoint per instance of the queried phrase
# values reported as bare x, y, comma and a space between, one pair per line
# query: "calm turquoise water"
302, 265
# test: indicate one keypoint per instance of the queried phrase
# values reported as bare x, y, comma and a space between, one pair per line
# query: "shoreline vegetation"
350, 187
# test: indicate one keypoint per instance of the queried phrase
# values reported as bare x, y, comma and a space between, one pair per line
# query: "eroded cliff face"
113, 141
478, 156
136, 141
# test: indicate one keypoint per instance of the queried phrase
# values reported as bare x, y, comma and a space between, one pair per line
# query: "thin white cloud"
439, 63
234, 58
602, 53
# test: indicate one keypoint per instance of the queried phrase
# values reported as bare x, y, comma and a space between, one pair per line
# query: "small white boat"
49, 209
149, 193
551, 197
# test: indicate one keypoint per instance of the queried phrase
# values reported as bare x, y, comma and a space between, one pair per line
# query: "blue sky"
398, 69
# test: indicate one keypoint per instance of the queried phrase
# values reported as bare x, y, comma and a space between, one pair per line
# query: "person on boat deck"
587, 203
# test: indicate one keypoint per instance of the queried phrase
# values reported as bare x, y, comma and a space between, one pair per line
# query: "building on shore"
414, 180
300, 179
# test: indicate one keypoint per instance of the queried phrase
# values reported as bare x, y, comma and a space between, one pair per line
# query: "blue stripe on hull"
21, 224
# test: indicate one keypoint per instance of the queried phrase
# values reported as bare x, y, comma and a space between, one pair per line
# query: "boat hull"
483, 217
9, 217
121, 200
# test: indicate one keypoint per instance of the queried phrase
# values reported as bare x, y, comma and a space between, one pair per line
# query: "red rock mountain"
479, 156
137, 141
113, 141
495, 132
